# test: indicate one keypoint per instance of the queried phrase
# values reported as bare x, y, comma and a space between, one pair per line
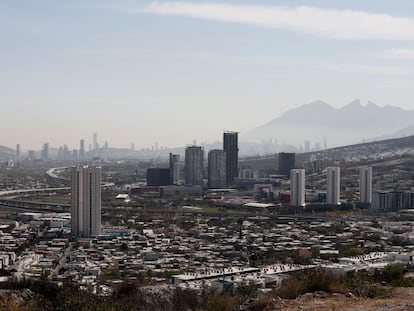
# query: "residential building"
45, 152
217, 169
194, 160
297, 187
174, 168
365, 184
333, 186
82, 149
86, 201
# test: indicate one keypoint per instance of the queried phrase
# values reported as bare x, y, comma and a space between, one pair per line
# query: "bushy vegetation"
47, 296
308, 281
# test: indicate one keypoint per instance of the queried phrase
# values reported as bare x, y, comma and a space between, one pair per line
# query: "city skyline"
65, 62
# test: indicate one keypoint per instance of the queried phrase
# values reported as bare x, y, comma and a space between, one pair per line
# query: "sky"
172, 72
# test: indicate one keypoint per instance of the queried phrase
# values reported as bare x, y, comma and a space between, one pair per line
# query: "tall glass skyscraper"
231, 148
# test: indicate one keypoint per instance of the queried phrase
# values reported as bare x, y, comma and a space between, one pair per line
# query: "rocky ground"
396, 299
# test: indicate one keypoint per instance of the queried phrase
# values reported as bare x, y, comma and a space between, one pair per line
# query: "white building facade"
86, 201
297, 187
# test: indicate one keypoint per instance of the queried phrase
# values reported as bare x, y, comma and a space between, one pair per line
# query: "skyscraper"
82, 149
286, 163
95, 141
365, 184
333, 185
86, 201
297, 187
17, 151
194, 159
231, 148
174, 174
216, 169
45, 152
307, 146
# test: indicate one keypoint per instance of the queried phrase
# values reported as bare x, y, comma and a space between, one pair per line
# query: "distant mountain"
350, 124
6, 153
406, 131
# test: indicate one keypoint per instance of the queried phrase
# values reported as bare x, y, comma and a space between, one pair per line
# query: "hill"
341, 126
6, 153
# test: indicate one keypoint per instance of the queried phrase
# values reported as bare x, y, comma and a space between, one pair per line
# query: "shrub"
392, 272
308, 281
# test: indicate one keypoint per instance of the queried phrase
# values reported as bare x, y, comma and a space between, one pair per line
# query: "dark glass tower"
286, 163
230, 146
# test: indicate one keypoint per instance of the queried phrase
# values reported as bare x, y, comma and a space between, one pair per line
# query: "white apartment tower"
297, 187
365, 184
86, 201
333, 190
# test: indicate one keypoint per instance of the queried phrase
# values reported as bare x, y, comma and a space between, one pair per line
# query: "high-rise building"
95, 141
193, 170
86, 201
297, 187
17, 151
174, 174
333, 190
31, 155
286, 163
45, 152
231, 148
82, 149
217, 169
307, 146
365, 184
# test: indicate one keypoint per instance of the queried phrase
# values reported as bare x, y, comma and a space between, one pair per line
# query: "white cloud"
327, 23
407, 54
364, 68
344, 67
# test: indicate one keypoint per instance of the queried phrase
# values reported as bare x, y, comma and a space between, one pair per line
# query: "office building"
365, 184
193, 168
158, 177
286, 163
231, 148
297, 187
174, 168
82, 149
45, 152
307, 146
86, 201
217, 169
386, 201
95, 141
17, 151
333, 190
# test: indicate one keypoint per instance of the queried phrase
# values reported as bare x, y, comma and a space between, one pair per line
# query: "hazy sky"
145, 71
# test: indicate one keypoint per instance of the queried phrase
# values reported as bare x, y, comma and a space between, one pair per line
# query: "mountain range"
350, 124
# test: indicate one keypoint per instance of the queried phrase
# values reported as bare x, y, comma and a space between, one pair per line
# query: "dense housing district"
101, 224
